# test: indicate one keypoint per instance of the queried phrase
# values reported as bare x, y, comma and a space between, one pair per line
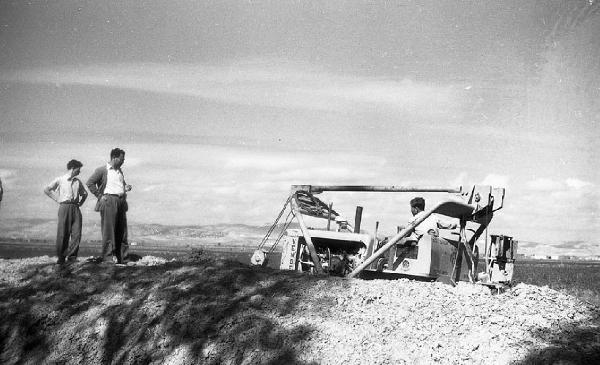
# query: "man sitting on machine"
407, 247
431, 225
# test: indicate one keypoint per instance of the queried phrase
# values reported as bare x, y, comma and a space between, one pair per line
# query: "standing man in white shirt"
69, 192
108, 184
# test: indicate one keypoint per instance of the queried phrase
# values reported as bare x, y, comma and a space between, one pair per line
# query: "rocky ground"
213, 311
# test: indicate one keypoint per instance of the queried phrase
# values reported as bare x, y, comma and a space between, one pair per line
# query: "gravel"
220, 312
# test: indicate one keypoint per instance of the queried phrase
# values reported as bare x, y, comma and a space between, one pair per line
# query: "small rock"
256, 300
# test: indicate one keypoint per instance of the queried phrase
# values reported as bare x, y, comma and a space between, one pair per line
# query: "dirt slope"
218, 312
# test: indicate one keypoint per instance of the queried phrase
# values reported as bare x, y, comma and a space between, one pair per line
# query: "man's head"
117, 157
75, 167
417, 205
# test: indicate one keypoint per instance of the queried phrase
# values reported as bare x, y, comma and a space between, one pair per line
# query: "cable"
286, 225
272, 228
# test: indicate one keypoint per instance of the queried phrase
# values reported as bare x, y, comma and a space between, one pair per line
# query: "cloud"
153, 187
406, 95
133, 161
578, 184
266, 84
569, 244
562, 212
6, 173
495, 180
460, 180
547, 184
261, 161
543, 184
8, 177
251, 183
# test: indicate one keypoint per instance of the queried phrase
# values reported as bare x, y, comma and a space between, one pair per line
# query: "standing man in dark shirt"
70, 194
108, 184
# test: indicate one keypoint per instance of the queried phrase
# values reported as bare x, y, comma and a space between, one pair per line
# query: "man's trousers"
68, 233
113, 220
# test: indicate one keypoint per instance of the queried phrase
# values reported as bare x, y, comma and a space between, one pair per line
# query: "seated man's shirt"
430, 225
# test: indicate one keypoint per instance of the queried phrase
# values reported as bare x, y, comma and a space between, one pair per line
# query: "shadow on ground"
207, 311
577, 344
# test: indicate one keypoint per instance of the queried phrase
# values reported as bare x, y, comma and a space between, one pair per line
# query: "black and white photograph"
300, 182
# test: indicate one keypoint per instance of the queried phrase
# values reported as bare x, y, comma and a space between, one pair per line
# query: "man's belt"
68, 202
116, 195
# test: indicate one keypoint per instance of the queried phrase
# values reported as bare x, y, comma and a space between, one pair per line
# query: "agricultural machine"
447, 255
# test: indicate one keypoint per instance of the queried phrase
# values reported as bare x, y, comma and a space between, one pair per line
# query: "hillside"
211, 311
223, 234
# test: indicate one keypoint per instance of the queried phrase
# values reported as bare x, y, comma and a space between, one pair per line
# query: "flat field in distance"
577, 278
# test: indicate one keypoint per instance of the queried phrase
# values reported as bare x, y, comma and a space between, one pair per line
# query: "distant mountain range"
213, 235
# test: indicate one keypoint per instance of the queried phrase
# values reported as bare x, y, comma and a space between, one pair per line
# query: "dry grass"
580, 279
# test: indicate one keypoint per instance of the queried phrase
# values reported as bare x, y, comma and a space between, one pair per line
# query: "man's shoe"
62, 269
94, 260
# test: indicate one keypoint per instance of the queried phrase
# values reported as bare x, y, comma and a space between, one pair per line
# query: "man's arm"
49, 190
94, 181
125, 185
446, 225
82, 194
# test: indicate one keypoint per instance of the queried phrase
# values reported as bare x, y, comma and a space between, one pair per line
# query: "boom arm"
317, 189
449, 208
309, 243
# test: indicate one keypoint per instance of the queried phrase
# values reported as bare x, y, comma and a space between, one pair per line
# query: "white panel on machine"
290, 253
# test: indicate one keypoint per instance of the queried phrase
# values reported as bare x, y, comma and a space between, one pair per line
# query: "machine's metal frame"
477, 205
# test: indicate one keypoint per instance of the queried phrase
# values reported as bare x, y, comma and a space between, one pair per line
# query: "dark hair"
418, 202
116, 152
73, 164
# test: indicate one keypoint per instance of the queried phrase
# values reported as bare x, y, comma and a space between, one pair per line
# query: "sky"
222, 105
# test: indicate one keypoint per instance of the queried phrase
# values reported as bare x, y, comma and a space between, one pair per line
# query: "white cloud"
460, 180
132, 161
225, 190
153, 187
260, 161
8, 176
558, 187
578, 184
553, 211
406, 95
266, 84
544, 184
497, 181
6, 173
